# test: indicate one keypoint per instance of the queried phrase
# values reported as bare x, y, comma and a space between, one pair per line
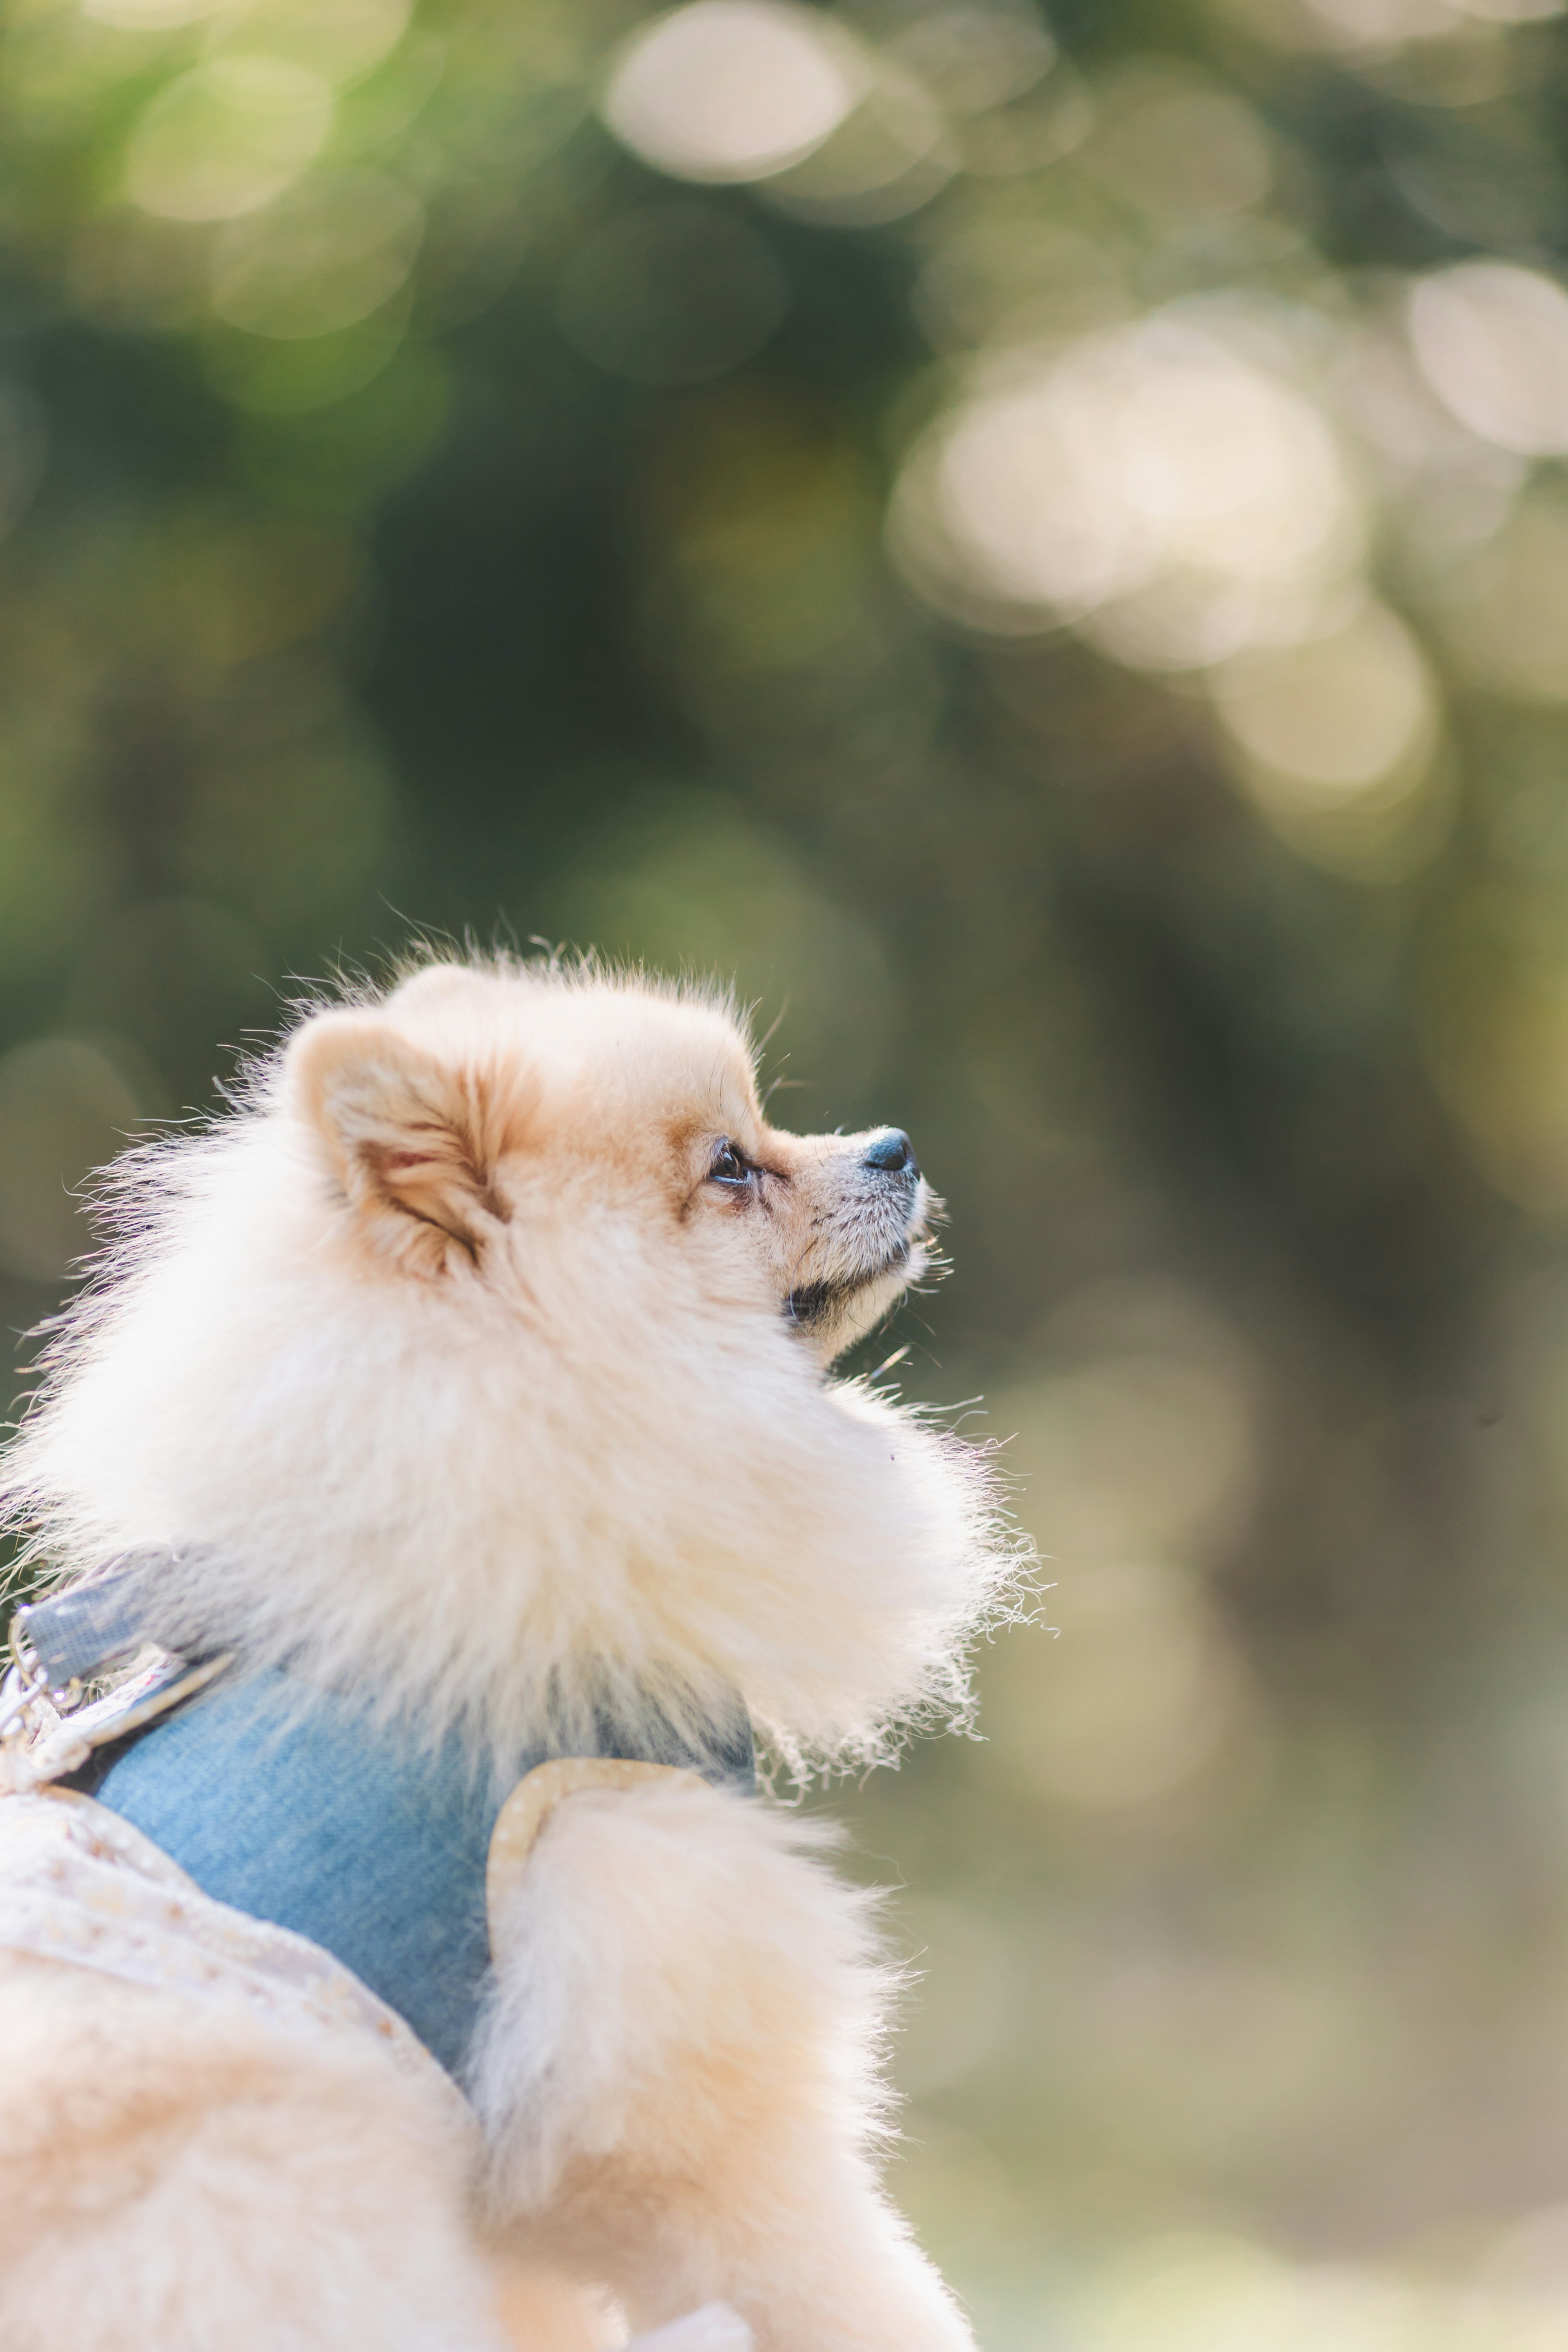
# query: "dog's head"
480, 1358
458, 1118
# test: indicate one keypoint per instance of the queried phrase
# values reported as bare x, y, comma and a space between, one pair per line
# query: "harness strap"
524, 1814
76, 1633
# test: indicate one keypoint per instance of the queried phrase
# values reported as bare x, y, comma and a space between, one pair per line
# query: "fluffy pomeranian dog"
472, 1377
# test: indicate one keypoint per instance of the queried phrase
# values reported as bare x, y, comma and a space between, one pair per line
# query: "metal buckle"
26, 1694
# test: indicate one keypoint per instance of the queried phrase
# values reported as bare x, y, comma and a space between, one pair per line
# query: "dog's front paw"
712, 2329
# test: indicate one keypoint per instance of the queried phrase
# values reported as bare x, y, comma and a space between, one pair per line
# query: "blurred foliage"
1044, 548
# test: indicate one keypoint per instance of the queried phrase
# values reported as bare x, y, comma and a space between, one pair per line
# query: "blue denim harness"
292, 1803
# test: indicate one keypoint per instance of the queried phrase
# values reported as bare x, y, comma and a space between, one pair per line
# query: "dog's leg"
679, 2075
176, 2176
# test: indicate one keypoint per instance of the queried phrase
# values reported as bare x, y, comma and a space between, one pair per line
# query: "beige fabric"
81, 1885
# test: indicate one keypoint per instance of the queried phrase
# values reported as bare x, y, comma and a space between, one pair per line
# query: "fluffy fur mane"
565, 1475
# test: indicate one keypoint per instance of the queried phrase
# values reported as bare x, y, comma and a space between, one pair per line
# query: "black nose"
891, 1152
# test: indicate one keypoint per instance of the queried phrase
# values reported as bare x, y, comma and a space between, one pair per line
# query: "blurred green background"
1043, 547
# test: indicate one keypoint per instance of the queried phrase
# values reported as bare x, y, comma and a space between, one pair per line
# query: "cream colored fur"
687, 2027
480, 1358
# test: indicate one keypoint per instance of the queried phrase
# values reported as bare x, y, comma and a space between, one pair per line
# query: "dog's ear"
414, 1142
434, 983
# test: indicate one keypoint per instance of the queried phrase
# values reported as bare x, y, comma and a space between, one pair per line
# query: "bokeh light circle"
1334, 718
227, 138
731, 90
1154, 484
325, 257
1492, 342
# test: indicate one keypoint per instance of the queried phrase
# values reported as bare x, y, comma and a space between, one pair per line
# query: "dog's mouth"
816, 1305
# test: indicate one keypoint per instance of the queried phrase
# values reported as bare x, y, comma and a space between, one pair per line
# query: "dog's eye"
728, 1166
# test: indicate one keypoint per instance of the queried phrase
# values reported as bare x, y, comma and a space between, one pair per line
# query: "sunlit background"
1042, 545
